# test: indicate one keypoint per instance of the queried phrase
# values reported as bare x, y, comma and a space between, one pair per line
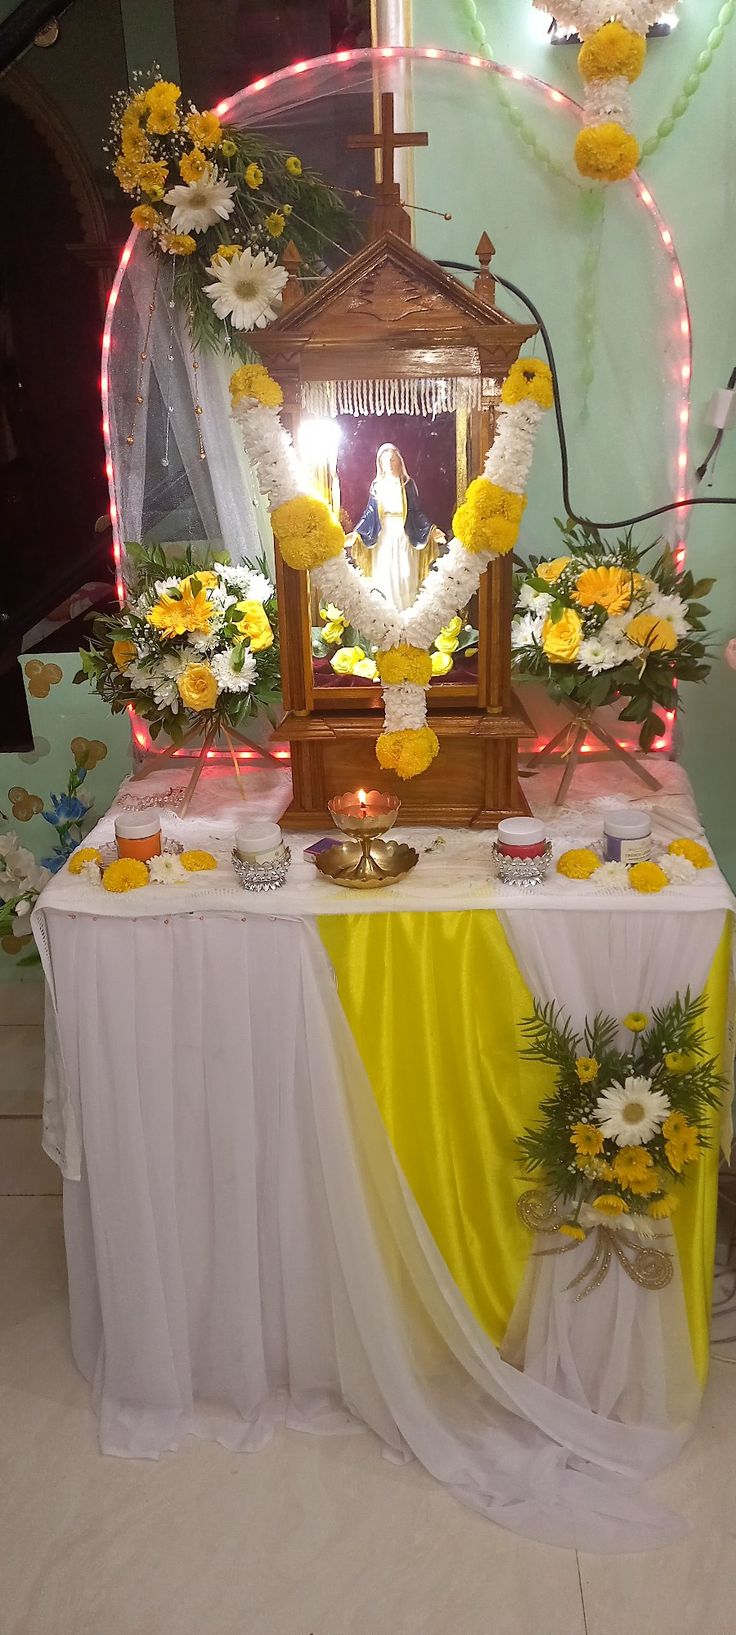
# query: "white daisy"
524, 630
632, 1112
231, 680
671, 608
596, 655
167, 870
198, 205
247, 289
534, 601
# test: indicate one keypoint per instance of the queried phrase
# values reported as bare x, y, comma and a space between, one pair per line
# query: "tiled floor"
311, 1536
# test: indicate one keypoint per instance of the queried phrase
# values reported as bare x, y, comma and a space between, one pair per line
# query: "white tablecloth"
242, 1248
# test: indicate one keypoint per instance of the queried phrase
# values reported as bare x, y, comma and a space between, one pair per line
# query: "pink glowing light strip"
368, 57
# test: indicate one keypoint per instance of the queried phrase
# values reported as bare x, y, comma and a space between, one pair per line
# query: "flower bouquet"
598, 624
217, 203
622, 1128
193, 649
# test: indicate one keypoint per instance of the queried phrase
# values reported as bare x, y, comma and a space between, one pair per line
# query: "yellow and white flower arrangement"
132, 874
215, 201
612, 56
310, 538
677, 865
600, 624
622, 1128
192, 646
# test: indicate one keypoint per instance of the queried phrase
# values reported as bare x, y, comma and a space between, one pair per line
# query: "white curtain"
243, 1252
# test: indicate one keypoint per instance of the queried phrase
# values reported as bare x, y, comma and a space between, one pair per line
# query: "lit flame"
362, 797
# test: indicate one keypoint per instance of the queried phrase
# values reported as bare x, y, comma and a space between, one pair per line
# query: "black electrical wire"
718, 439
574, 516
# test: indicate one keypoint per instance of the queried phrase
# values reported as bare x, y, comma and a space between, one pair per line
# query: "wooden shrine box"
390, 315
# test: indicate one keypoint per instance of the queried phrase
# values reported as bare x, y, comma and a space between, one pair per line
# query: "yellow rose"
344, 662
332, 631
646, 630
366, 668
611, 588
561, 641
123, 654
446, 644
192, 166
254, 624
198, 687
206, 579
551, 570
441, 664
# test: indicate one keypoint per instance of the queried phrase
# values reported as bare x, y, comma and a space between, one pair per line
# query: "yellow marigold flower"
125, 874
254, 624
85, 854
253, 380
205, 130
647, 877
178, 615
612, 52
123, 653
606, 153
307, 532
586, 1068
407, 753
275, 223
578, 863
404, 663
197, 862
663, 1208
179, 244
528, 378
192, 166
611, 588
151, 177
678, 1061
197, 687
646, 630
587, 1140
636, 1021
489, 517
145, 217
561, 641
294, 166
631, 1164
568, 1229
226, 252
228, 148
441, 664
253, 177
693, 851
610, 1204
551, 571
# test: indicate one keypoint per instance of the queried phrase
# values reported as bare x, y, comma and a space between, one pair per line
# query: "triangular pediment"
388, 285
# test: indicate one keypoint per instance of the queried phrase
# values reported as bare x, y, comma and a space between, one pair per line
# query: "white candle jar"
627, 836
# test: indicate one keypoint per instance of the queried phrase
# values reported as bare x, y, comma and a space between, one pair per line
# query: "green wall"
622, 456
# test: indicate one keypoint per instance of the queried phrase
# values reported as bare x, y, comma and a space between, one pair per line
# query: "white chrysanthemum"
669, 607
246, 289
231, 680
525, 629
631, 1113
198, 205
611, 877
596, 655
534, 601
258, 588
167, 870
679, 870
91, 873
585, 16
405, 707
607, 100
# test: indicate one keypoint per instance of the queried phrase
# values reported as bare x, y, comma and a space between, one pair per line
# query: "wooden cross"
389, 215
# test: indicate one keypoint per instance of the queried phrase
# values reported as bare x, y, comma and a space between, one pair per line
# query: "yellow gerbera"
586, 1068
658, 635
226, 253
179, 244
587, 1140
633, 1167
180, 615
684, 1150
608, 587
674, 1126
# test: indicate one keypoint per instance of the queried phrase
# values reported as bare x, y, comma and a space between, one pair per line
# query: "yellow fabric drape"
434, 1002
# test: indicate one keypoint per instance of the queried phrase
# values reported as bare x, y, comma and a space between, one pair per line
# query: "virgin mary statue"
393, 543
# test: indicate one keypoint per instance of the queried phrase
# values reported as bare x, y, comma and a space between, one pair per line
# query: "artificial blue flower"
67, 809
53, 864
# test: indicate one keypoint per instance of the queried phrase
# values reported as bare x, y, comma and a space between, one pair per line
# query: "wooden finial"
485, 285
389, 216
292, 291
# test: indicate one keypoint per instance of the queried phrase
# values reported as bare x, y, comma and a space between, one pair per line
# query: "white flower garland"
586, 16
488, 521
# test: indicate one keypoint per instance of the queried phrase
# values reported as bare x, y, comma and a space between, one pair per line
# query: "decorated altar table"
287, 1128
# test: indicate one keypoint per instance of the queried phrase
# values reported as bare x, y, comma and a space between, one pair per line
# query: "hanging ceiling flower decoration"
611, 57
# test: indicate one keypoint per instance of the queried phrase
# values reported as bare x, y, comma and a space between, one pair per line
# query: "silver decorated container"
522, 871
267, 876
